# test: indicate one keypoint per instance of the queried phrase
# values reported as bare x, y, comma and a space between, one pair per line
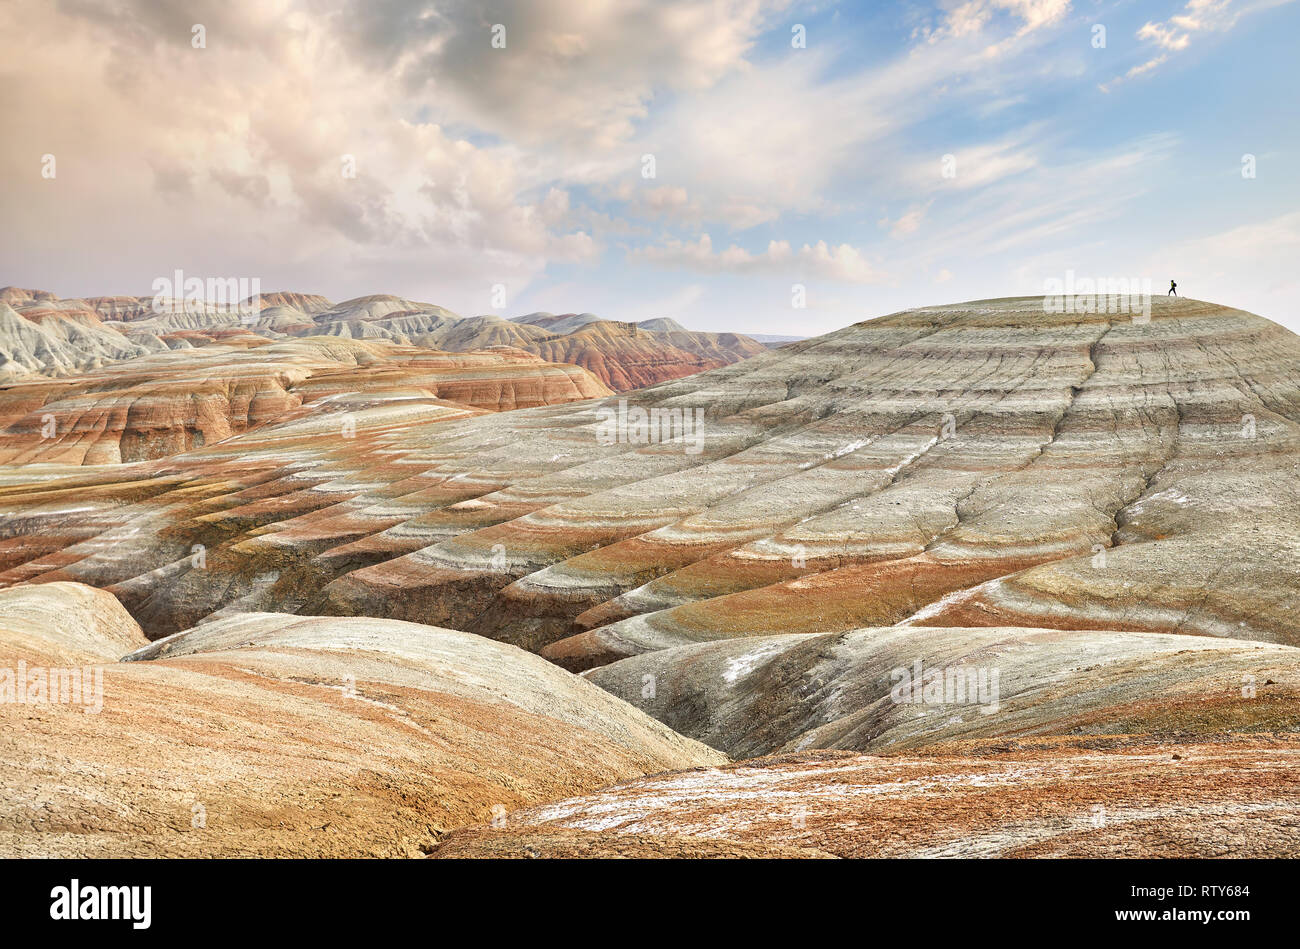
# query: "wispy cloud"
1175, 34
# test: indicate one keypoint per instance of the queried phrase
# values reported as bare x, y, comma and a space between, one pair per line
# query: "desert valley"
372, 578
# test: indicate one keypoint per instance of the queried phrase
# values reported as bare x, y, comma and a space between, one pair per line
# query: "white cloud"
1175, 34
970, 17
1137, 70
1164, 36
842, 262
245, 142
909, 222
581, 75
973, 166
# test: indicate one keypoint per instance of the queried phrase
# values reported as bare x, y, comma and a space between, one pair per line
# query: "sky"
767, 167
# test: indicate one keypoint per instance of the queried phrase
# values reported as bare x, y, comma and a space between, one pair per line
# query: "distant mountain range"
41, 334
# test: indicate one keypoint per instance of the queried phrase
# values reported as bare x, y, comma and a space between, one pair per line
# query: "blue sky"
522, 166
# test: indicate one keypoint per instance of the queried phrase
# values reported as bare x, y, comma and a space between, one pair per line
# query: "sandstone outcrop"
275, 735
65, 624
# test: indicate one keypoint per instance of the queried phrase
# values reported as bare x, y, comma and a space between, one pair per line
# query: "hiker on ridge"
1173, 288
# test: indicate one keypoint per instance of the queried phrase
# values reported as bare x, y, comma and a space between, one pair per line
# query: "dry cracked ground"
970, 580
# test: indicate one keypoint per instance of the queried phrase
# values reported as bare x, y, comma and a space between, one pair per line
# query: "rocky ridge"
43, 335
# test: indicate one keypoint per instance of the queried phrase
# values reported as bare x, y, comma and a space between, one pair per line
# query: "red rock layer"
163, 405
1112, 797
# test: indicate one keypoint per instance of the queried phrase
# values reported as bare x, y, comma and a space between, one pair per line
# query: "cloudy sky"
648, 158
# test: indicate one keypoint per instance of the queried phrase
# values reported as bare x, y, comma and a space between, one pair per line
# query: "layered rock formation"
982, 464
624, 356
902, 688
169, 403
52, 340
634, 355
274, 735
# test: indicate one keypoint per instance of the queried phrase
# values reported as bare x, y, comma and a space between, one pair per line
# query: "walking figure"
1173, 288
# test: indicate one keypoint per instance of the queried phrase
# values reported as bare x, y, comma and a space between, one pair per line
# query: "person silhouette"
1173, 288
